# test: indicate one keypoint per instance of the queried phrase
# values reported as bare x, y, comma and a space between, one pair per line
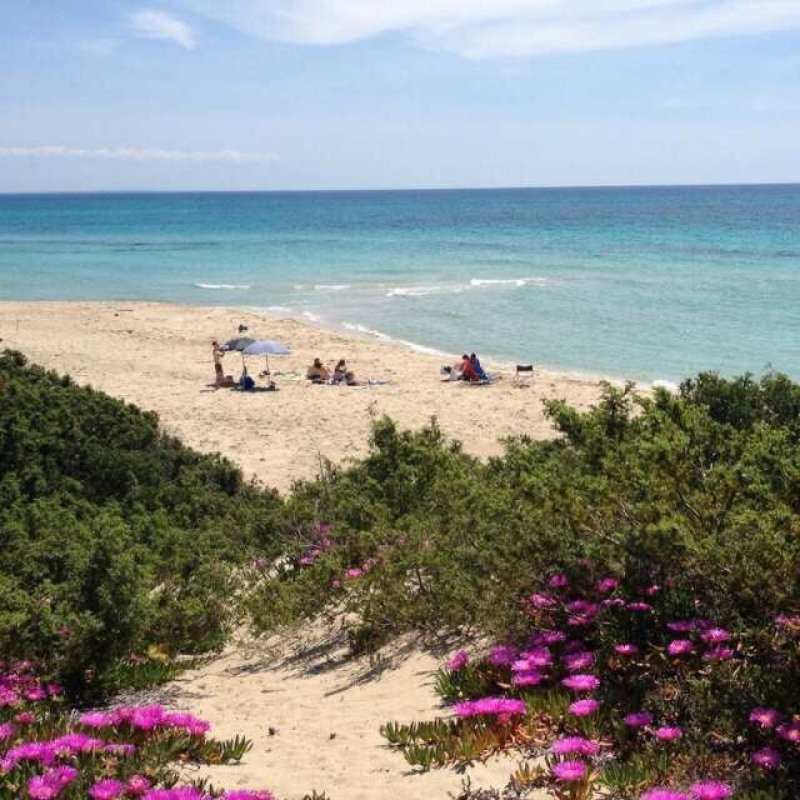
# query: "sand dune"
325, 710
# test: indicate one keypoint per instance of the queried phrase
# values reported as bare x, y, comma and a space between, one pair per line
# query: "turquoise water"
642, 282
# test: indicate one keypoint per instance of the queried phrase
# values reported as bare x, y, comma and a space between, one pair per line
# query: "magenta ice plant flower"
668, 733
789, 731
765, 717
575, 744
718, 653
106, 789
639, 606
766, 758
626, 649
584, 708
569, 771
542, 601
458, 661
662, 793
680, 647
489, 706
715, 636
710, 790
527, 678
578, 661
502, 655
638, 719
581, 682
682, 625
606, 585
559, 581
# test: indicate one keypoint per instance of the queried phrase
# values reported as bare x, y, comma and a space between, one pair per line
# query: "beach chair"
523, 376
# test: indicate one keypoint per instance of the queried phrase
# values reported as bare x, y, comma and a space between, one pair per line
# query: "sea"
650, 283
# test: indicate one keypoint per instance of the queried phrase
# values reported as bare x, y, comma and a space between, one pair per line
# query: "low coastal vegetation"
630, 587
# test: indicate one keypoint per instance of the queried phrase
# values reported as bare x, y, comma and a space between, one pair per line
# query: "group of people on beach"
246, 382
468, 369
319, 373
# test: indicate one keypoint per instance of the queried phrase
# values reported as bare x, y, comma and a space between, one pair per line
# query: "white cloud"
505, 28
160, 25
134, 154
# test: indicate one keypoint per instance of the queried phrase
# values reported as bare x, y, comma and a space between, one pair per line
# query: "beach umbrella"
266, 348
238, 344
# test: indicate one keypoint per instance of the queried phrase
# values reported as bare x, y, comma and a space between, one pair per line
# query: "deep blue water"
641, 282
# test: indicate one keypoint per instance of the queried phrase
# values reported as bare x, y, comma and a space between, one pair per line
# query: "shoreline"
157, 355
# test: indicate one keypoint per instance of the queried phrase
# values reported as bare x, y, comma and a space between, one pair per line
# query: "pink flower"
682, 626
527, 678
6, 731
607, 585
25, 718
558, 581
626, 649
661, 793
502, 655
584, 708
680, 647
535, 658
718, 654
766, 758
353, 573
549, 638
458, 661
569, 771
639, 606
578, 661
97, 719
765, 717
542, 601
575, 744
248, 794
715, 636
489, 706
581, 683
137, 784
668, 734
107, 789
710, 790
52, 783
638, 719
789, 731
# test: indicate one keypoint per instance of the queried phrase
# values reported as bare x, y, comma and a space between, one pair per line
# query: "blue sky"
299, 94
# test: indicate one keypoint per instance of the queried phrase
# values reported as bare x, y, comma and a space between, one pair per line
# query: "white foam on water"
279, 309
223, 286
423, 291
518, 282
313, 317
385, 337
331, 287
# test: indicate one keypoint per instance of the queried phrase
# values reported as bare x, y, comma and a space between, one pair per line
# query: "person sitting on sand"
350, 379
318, 372
467, 370
246, 383
340, 372
476, 365
220, 378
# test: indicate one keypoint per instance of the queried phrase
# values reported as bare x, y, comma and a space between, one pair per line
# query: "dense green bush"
113, 535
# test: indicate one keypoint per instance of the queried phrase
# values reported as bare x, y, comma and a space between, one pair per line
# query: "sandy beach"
325, 709
158, 356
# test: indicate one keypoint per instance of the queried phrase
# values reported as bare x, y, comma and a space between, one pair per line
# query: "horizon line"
364, 190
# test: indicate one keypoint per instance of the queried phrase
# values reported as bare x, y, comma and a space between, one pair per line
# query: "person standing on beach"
217, 352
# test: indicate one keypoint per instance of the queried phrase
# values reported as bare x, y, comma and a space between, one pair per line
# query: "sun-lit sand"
158, 356
327, 709
314, 717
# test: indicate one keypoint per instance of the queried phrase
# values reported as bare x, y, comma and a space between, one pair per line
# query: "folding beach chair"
523, 375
